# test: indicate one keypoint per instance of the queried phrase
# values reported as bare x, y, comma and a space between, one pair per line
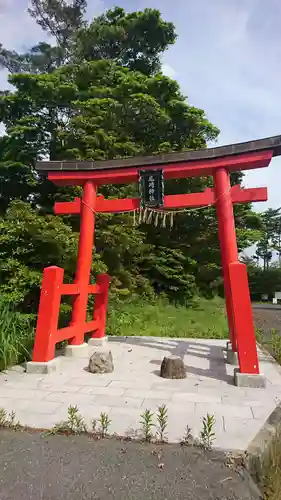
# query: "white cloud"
18, 30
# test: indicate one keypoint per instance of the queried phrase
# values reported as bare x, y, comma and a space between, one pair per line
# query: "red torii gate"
218, 162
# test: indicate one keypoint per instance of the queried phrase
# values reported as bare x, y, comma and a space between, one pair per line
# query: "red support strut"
243, 319
101, 302
49, 308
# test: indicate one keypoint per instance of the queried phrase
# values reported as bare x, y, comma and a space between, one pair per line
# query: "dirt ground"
267, 317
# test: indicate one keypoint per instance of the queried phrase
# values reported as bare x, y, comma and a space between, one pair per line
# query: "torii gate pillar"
227, 239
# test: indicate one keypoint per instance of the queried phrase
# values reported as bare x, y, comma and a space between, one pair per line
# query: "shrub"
268, 469
16, 335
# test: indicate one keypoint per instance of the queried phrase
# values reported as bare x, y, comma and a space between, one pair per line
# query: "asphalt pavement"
266, 305
39, 467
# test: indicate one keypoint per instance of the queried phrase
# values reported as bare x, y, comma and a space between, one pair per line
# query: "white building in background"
276, 298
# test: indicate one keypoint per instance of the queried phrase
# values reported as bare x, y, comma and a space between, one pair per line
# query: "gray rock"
172, 367
101, 361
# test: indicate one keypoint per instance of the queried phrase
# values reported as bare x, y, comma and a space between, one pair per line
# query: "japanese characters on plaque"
151, 186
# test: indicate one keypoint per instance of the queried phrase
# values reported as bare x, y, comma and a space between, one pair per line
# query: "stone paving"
42, 400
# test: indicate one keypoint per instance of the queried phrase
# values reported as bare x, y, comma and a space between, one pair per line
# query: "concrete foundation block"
102, 342
255, 381
77, 351
42, 367
231, 357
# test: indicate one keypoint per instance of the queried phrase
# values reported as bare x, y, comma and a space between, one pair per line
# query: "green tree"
263, 251
59, 19
275, 217
135, 40
266, 281
270, 237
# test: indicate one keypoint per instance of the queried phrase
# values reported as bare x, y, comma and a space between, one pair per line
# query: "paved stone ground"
34, 467
42, 401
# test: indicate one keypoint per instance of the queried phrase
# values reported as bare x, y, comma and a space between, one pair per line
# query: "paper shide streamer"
159, 218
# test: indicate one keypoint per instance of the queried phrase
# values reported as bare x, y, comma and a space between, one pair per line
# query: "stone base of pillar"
42, 367
255, 381
231, 357
228, 345
101, 342
77, 351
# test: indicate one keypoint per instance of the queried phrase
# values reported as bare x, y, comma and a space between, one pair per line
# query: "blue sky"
226, 59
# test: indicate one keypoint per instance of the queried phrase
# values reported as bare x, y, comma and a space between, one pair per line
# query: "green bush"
271, 341
266, 469
16, 335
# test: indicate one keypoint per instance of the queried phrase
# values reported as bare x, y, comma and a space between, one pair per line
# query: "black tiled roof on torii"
270, 143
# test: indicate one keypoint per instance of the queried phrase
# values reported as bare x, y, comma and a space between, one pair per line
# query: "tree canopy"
270, 237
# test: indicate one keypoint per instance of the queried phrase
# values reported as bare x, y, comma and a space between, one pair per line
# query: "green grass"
132, 317
271, 341
269, 472
16, 336
159, 318
272, 469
